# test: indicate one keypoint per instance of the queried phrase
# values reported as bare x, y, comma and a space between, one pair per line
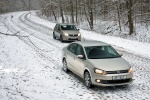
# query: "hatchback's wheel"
54, 35
87, 79
65, 67
61, 39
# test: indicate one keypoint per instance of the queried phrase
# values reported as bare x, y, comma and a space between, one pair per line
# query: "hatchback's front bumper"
72, 38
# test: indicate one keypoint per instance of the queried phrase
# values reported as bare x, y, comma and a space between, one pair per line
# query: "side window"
58, 27
79, 50
72, 48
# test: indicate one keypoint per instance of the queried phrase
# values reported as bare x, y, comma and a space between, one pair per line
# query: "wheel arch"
87, 70
63, 58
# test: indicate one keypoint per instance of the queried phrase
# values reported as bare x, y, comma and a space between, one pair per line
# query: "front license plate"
119, 77
73, 38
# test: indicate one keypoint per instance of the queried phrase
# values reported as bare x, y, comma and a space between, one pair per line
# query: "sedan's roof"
91, 43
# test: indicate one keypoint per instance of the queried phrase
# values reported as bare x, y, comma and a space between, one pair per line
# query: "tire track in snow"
119, 92
38, 36
75, 78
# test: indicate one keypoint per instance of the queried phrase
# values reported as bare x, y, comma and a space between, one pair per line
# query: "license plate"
119, 77
73, 37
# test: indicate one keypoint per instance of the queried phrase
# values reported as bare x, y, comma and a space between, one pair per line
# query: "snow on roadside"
138, 48
24, 75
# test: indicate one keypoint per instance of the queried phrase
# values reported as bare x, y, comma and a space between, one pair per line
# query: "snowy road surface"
31, 68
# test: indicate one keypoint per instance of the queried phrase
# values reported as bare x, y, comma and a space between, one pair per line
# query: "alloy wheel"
65, 68
87, 80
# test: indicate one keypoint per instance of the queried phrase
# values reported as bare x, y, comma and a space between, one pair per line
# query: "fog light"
98, 81
133, 78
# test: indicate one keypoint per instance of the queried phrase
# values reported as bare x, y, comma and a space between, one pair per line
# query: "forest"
103, 16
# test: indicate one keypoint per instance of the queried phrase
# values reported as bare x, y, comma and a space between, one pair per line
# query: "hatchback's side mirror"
80, 56
78, 29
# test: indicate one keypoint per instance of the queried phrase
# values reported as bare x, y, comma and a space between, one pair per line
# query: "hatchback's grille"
117, 72
115, 81
73, 35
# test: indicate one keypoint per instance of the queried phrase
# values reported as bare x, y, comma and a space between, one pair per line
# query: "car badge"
118, 72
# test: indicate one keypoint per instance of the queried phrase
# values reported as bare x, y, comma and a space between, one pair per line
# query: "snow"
132, 46
31, 68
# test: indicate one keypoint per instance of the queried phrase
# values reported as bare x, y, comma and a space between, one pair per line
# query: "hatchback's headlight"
79, 34
99, 71
66, 34
130, 70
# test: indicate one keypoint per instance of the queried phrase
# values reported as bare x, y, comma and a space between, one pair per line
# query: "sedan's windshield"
68, 27
101, 52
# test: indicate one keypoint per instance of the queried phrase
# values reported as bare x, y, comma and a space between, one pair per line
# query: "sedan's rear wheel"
65, 67
87, 80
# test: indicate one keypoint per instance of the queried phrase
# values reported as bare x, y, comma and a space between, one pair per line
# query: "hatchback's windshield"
68, 27
101, 52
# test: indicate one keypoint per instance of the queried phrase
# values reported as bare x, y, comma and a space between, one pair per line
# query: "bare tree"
130, 20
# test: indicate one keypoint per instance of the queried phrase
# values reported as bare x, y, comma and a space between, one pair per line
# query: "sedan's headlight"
99, 71
130, 70
66, 34
79, 34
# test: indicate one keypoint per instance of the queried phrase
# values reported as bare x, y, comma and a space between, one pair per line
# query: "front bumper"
71, 38
107, 80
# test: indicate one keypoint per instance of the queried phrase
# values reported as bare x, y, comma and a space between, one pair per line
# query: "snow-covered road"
31, 68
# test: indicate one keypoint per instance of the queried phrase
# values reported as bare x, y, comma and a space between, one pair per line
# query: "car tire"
87, 80
65, 67
54, 37
61, 39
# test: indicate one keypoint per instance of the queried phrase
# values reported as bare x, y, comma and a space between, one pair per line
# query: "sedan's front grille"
117, 72
115, 81
73, 35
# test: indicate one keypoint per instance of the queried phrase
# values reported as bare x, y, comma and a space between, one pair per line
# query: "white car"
66, 32
98, 63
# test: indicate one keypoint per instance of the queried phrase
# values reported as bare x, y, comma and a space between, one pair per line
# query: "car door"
57, 30
78, 62
71, 56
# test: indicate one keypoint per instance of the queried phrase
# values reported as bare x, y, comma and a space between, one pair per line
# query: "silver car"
98, 63
66, 32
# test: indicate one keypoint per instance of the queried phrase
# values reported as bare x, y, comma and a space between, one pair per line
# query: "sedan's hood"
110, 64
71, 31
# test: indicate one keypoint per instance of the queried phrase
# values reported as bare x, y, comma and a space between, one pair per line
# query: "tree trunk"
72, 11
91, 14
119, 19
76, 11
130, 20
62, 15
54, 15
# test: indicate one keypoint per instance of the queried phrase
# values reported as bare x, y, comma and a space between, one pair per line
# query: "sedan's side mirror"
78, 29
80, 56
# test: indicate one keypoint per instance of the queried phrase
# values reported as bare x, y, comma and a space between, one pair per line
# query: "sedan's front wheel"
65, 67
87, 80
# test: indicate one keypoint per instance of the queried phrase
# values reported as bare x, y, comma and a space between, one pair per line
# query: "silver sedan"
98, 63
